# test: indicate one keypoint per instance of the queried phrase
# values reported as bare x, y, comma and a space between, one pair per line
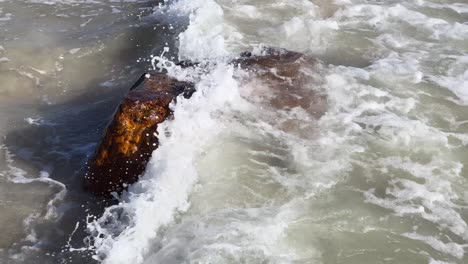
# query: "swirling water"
380, 178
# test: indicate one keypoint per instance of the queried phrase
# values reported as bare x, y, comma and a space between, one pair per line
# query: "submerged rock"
276, 78
284, 81
285, 77
131, 136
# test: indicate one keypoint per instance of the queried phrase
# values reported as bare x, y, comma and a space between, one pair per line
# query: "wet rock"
286, 77
276, 78
131, 136
283, 81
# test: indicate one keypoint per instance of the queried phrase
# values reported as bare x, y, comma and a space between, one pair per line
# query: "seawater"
380, 178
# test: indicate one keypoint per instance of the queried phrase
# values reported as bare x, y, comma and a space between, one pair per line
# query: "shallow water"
380, 178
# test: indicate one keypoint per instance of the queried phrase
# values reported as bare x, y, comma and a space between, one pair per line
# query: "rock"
285, 76
131, 136
278, 79
283, 80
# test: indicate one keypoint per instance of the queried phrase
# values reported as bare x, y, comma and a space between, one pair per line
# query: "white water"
380, 178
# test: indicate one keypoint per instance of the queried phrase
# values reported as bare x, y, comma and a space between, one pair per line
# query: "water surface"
380, 178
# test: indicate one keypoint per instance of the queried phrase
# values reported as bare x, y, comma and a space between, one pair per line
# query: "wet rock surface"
131, 136
285, 81
277, 78
285, 77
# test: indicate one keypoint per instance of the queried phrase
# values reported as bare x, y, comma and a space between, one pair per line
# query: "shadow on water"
63, 141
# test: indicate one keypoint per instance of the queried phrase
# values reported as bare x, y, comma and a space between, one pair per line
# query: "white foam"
5, 17
241, 235
433, 261
375, 125
170, 176
433, 200
460, 8
248, 10
33, 121
385, 111
315, 30
385, 18
164, 189
204, 38
455, 83
73, 51
451, 248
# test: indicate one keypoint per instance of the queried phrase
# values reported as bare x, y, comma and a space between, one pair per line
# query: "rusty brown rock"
286, 77
278, 79
131, 136
282, 80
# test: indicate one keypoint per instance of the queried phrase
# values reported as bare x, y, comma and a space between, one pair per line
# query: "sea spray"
164, 188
